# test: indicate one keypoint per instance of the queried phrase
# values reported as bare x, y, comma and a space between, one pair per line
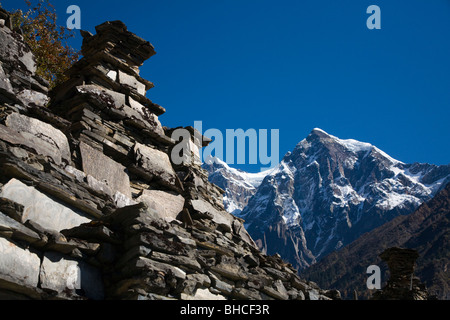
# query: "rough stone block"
104, 169
99, 186
26, 139
155, 162
220, 217
41, 209
148, 117
122, 200
18, 230
5, 84
43, 131
203, 295
132, 82
31, 97
18, 265
104, 98
15, 52
167, 205
59, 273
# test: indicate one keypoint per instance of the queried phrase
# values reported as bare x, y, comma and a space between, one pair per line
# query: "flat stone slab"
155, 162
220, 217
132, 82
18, 265
31, 97
19, 231
38, 146
42, 131
60, 273
105, 170
41, 209
203, 295
142, 113
167, 205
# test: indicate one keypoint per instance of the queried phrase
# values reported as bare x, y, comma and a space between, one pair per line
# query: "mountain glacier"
324, 195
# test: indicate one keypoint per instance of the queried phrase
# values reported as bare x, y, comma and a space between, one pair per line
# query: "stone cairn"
402, 284
91, 206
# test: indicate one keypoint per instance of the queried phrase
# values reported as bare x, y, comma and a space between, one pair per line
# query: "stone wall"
91, 206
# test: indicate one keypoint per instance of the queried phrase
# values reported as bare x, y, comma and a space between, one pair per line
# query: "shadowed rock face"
91, 205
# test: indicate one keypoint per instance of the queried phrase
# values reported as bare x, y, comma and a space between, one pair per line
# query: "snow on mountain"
324, 195
240, 186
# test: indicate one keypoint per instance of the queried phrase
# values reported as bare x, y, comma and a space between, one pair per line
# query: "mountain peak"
324, 195
350, 144
319, 132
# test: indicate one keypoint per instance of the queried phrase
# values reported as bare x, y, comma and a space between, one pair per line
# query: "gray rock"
155, 242
229, 269
132, 82
99, 186
222, 218
246, 294
40, 208
59, 273
222, 286
313, 294
78, 174
141, 264
101, 97
203, 295
43, 131
25, 139
18, 265
274, 293
201, 279
103, 168
156, 163
31, 97
142, 113
176, 260
19, 231
133, 253
167, 205
11, 209
15, 52
122, 200
5, 84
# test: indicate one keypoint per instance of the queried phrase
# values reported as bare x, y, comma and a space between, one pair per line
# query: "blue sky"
296, 65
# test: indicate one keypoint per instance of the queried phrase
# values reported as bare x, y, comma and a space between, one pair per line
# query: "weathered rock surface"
18, 265
104, 169
42, 131
41, 209
91, 205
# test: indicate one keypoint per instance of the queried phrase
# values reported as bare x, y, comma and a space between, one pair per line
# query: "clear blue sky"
296, 65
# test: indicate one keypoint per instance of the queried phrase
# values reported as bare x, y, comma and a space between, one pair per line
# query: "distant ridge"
427, 230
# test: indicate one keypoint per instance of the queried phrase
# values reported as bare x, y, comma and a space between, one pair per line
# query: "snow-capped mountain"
325, 194
239, 186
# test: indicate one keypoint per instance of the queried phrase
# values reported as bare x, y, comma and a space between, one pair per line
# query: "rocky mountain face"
427, 231
327, 193
91, 205
239, 186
